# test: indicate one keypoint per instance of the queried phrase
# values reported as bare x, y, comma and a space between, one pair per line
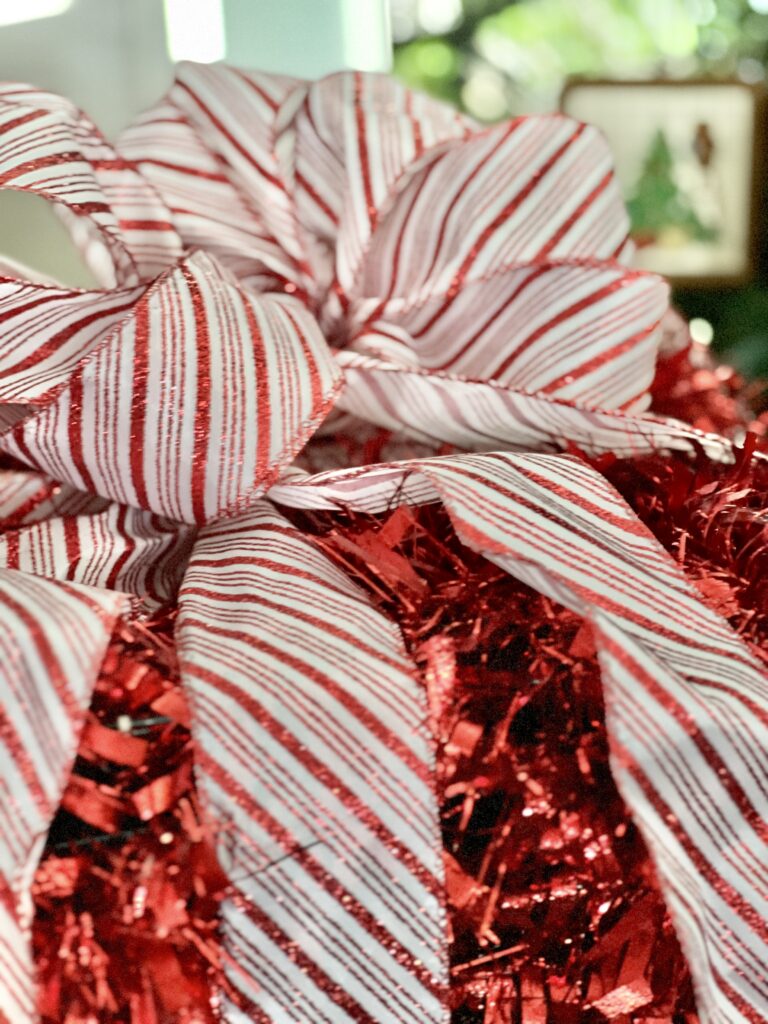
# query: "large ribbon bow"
270, 249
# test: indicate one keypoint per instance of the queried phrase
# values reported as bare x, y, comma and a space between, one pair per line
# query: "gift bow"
271, 249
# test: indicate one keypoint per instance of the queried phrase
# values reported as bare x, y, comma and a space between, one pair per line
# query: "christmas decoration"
316, 539
659, 208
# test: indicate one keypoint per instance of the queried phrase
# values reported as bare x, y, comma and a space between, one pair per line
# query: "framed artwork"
687, 156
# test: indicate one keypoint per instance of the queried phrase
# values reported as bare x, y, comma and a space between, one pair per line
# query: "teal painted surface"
308, 38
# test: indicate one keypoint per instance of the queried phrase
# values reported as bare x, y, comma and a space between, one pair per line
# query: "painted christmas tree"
659, 209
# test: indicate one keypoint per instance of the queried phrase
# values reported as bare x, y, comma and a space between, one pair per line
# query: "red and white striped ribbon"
476, 415
186, 407
314, 752
270, 248
51, 149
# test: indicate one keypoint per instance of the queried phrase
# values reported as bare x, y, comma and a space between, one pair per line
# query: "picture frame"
688, 156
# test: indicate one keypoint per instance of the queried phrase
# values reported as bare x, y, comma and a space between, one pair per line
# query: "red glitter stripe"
303, 855
241, 149
309, 360
456, 196
320, 771
261, 93
316, 197
114, 575
751, 814
501, 218
307, 707
263, 395
600, 360
54, 343
503, 308
202, 427
307, 965
577, 307
18, 971
138, 404
577, 214
23, 763
78, 445
327, 685
146, 225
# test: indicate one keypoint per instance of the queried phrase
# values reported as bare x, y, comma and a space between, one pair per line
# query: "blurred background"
688, 132
497, 58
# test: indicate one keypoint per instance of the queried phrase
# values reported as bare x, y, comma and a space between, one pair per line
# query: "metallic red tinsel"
555, 914
690, 386
127, 891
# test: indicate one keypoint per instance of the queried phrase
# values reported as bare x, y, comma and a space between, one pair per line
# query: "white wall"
110, 57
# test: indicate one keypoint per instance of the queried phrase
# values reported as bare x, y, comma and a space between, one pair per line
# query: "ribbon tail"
697, 818
315, 757
682, 692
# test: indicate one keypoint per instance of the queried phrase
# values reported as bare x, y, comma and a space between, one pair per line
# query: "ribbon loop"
191, 405
186, 147
50, 148
533, 190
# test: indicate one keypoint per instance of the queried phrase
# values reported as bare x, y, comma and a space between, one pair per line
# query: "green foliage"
740, 319
502, 57
432, 65
530, 47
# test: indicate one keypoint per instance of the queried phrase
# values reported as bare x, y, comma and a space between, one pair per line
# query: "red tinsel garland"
713, 397
555, 914
128, 889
